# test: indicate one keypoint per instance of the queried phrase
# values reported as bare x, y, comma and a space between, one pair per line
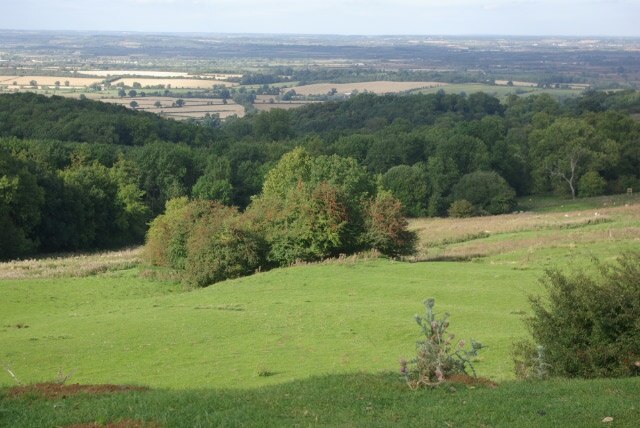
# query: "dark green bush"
591, 184
589, 326
222, 246
461, 209
487, 191
309, 223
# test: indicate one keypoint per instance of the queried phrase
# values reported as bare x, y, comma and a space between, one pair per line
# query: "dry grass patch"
378, 87
437, 235
71, 265
483, 248
49, 80
262, 106
439, 231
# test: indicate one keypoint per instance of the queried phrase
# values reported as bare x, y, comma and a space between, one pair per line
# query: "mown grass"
361, 400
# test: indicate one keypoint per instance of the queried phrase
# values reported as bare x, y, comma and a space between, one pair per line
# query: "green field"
313, 343
500, 91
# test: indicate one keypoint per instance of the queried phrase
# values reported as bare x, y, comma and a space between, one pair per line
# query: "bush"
590, 326
386, 227
222, 246
461, 209
309, 223
205, 241
591, 184
438, 357
486, 190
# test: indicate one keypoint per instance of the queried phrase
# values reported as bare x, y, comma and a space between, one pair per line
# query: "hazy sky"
513, 17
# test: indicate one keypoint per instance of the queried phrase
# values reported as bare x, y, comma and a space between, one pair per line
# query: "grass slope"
359, 400
295, 322
328, 335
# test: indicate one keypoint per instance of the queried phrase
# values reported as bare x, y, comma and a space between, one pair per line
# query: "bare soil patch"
56, 390
471, 381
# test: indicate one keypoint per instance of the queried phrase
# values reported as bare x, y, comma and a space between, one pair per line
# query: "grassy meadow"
310, 344
500, 91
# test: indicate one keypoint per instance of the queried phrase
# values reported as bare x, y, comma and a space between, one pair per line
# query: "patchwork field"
193, 107
501, 91
173, 83
378, 87
286, 105
47, 81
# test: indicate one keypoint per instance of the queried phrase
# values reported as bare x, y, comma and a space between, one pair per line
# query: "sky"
357, 17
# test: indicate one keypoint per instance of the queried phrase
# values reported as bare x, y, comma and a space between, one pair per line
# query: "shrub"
168, 233
160, 231
438, 357
590, 326
591, 184
461, 209
386, 227
486, 190
309, 223
222, 246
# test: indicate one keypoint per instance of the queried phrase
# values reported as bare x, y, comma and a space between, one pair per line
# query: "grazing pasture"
309, 344
193, 107
378, 87
501, 91
355, 400
128, 323
173, 83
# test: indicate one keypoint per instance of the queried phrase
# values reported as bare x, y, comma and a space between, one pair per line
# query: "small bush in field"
309, 223
530, 362
222, 246
461, 209
160, 232
386, 227
589, 326
168, 234
591, 184
487, 191
438, 356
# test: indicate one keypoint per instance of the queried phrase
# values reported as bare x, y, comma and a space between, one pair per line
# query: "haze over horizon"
600, 18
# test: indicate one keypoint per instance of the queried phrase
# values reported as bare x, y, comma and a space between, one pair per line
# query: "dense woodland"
79, 174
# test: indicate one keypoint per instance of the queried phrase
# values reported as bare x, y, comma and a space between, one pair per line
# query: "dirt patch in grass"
471, 381
125, 423
56, 390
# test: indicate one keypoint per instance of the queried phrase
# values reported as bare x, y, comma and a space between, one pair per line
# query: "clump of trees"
81, 206
310, 208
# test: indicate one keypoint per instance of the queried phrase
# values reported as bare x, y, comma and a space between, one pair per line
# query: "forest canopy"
82, 175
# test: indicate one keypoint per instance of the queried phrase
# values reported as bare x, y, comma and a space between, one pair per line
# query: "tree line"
79, 174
